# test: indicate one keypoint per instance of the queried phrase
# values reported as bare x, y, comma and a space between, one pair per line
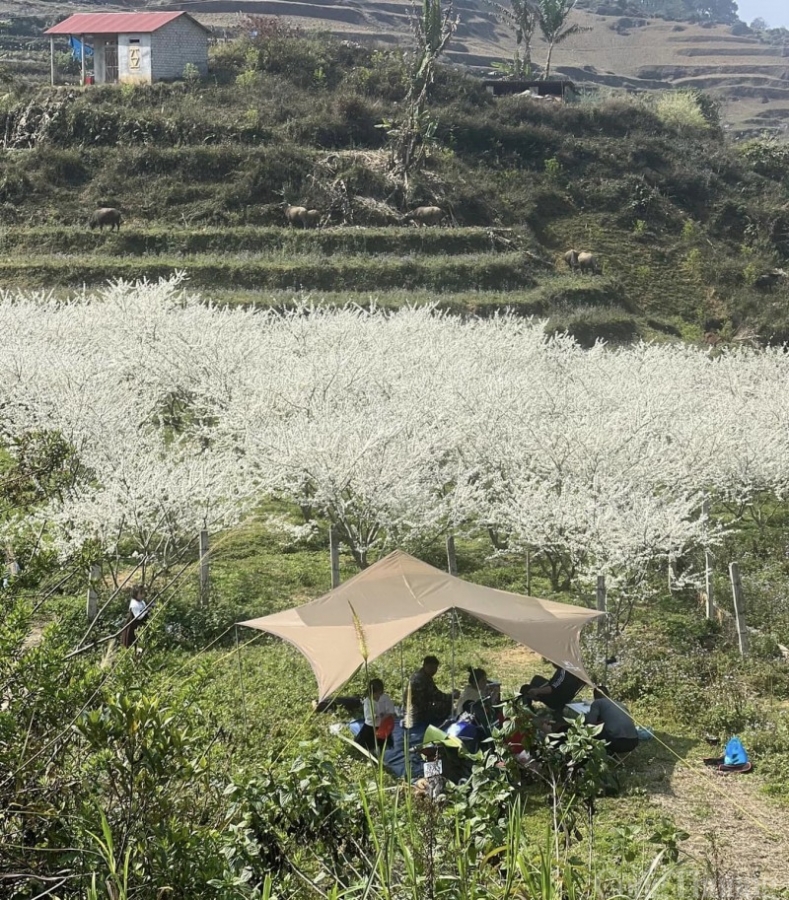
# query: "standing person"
379, 717
555, 692
429, 705
138, 611
619, 730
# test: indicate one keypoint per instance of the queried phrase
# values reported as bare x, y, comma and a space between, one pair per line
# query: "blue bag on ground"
735, 754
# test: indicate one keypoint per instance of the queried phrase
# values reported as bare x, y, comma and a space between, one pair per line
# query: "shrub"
768, 157
680, 109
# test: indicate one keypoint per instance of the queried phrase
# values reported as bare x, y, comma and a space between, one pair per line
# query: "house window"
135, 53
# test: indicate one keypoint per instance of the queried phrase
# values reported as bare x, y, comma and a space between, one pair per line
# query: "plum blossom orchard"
399, 427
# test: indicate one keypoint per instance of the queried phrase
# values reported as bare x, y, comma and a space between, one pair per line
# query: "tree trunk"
547, 72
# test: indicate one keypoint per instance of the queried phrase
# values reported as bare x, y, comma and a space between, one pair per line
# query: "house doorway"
111, 60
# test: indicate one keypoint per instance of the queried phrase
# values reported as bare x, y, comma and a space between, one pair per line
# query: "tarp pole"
52, 59
402, 671
82, 56
452, 663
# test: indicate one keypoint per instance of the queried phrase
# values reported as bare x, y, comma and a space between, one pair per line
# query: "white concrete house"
136, 48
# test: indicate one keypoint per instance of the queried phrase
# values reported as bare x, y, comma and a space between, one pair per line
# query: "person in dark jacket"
428, 705
555, 692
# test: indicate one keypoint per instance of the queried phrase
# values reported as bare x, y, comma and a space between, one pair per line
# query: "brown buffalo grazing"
107, 215
300, 215
425, 215
585, 261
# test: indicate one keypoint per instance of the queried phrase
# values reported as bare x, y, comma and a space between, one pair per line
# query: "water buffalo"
585, 261
425, 215
107, 215
300, 215
768, 280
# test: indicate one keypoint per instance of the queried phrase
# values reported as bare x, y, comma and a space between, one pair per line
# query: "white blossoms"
395, 426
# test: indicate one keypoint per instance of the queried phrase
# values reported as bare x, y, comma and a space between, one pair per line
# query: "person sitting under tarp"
619, 730
555, 692
379, 718
425, 703
479, 699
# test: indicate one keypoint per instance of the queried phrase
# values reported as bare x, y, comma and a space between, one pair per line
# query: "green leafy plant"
553, 168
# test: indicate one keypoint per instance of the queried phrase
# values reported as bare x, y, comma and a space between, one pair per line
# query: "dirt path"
751, 830
34, 638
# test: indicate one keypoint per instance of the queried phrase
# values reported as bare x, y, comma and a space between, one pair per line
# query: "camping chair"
618, 760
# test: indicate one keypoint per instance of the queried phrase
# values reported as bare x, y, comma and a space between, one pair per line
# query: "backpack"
735, 754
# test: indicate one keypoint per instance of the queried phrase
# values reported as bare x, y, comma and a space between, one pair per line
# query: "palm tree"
552, 16
522, 17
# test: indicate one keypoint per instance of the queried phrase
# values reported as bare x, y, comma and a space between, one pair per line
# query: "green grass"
438, 273
156, 240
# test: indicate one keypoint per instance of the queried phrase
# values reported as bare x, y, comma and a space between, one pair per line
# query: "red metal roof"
114, 23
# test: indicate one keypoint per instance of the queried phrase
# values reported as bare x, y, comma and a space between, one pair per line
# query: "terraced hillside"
682, 223
749, 76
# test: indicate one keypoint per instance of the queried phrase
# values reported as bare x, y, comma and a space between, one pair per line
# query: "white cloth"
384, 706
137, 608
470, 693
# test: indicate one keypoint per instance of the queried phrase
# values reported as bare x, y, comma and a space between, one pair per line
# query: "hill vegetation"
682, 222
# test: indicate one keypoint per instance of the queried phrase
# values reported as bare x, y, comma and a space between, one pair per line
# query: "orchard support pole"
204, 566
93, 597
601, 603
334, 554
452, 561
739, 607
528, 573
705, 512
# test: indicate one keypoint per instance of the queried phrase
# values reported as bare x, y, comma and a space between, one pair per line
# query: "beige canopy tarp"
400, 594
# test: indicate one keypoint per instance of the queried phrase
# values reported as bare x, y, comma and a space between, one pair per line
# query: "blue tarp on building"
76, 48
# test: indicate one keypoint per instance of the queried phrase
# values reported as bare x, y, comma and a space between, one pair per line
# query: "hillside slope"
683, 223
749, 76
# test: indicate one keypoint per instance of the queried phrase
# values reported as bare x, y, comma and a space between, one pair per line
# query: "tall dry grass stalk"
408, 719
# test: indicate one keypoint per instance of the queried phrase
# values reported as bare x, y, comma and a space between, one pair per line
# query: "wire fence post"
93, 597
452, 663
739, 607
241, 681
452, 560
710, 600
204, 566
601, 604
334, 555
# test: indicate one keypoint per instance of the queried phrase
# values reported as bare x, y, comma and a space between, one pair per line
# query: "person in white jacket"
138, 611
379, 716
